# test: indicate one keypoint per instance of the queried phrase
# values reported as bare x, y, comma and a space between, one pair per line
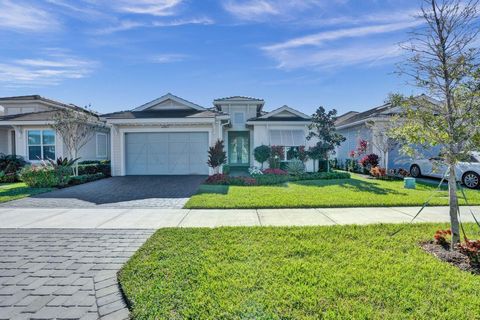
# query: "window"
287, 137
101, 145
238, 118
41, 144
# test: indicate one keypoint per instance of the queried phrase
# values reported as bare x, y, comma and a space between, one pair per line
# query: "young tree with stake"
444, 62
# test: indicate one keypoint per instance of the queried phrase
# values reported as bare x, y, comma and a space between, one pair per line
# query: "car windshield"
475, 157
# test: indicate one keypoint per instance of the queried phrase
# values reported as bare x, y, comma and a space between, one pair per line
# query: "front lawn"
339, 272
13, 191
354, 192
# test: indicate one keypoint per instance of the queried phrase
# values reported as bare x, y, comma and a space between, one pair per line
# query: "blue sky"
118, 54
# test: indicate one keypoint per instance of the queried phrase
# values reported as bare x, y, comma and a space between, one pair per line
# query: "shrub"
325, 176
217, 155
76, 180
471, 248
369, 161
296, 167
261, 154
378, 172
93, 167
277, 154
271, 179
242, 181
11, 165
275, 171
7, 177
220, 179
441, 236
44, 176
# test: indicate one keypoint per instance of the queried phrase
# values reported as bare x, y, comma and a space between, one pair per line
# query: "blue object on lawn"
410, 183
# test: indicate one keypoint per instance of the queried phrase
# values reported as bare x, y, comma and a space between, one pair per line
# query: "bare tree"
76, 129
381, 139
444, 62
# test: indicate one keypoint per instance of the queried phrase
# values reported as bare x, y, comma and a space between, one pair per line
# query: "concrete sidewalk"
96, 218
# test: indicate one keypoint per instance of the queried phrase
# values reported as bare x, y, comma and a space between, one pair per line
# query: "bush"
325, 176
45, 176
93, 167
378, 172
76, 180
271, 179
223, 179
471, 248
261, 154
217, 179
217, 156
11, 165
275, 171
296, 167
369, 161
277, 154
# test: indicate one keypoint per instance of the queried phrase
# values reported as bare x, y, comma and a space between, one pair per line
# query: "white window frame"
41, 145
97, 145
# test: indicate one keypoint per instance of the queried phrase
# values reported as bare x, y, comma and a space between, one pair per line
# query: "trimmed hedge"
76, 180
94, 167
45, 176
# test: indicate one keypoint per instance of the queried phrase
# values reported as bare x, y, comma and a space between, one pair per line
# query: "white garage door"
157, 153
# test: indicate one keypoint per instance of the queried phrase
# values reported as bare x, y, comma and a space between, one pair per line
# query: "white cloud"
19, 16
251, 10
52, 69
168, 58
149, 7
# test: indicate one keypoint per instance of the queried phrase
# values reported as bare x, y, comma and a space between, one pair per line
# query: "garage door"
156, 153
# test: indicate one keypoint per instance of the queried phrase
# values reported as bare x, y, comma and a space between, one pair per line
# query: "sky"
118, 54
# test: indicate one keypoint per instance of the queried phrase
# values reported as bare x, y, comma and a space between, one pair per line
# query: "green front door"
239, 148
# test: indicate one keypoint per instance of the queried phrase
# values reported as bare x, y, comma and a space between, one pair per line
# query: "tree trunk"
452, 191
76, 162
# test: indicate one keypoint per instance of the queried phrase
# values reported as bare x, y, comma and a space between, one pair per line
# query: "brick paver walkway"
64, 274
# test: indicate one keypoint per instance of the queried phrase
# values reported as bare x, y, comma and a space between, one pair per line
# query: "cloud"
149, 7
168, 58
51, 69
19, 16
126, 25
251, 10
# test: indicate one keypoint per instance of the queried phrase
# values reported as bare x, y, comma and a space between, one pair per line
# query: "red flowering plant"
278, 172
218, 178
369, 161
362, 147
471, 248
441, 237
352, 154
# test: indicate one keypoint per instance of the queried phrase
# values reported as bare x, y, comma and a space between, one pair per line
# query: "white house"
171, 135
25, 130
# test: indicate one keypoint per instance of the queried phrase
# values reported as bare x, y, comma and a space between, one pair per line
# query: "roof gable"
169, 102
285, 112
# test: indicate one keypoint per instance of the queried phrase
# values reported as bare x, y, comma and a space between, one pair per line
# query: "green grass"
13, 191
354, 192
340, 272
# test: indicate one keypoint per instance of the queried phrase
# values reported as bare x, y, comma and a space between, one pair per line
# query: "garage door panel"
156, 153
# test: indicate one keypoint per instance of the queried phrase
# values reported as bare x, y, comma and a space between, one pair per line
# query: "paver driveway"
64, 274
118, 192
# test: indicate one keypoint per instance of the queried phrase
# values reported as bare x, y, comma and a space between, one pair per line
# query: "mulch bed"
455, 258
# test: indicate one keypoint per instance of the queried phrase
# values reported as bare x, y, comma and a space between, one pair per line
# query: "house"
372, 126
171, 135
25, 130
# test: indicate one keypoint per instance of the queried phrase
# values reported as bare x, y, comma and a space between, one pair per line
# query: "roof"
285, 108
169, 96
32, 116
239, 98
37, 97
359, 116
158, 114
273, 119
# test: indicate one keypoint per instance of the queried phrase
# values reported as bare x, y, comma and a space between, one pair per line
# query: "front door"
239, 148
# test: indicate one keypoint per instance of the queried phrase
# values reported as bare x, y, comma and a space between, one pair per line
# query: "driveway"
118, 192
64, 274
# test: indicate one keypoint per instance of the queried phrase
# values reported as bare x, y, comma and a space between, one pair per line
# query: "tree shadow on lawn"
353, 185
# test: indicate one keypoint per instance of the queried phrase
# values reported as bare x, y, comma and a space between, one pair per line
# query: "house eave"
292, 123
27, 122
160, 121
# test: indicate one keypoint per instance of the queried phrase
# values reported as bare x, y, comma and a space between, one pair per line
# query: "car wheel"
471, 180
415, 171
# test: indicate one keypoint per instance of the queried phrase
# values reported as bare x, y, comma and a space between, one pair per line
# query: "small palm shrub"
10, 166
296, 167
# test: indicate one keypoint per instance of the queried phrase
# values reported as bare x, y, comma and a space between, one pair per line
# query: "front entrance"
239, 148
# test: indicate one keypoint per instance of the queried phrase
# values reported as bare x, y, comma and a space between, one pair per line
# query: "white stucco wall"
4, 140
353, 135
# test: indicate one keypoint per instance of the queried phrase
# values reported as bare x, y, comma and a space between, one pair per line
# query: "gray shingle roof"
342, 120
239, 98
40, 98
159, 114
33, 116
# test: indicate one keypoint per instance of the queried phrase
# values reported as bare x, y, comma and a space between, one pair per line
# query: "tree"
323, 128
76, 128
315, 153
261, 154
217, 156
381, 139
443, 63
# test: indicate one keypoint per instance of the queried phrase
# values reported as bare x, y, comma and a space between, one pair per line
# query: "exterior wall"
117, 139
4, 141
89, 151
353, 135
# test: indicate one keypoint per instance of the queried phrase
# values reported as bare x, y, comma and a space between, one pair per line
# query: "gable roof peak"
169, 96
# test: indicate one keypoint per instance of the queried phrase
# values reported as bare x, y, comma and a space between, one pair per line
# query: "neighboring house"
171, 135
25, 130
372, 125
